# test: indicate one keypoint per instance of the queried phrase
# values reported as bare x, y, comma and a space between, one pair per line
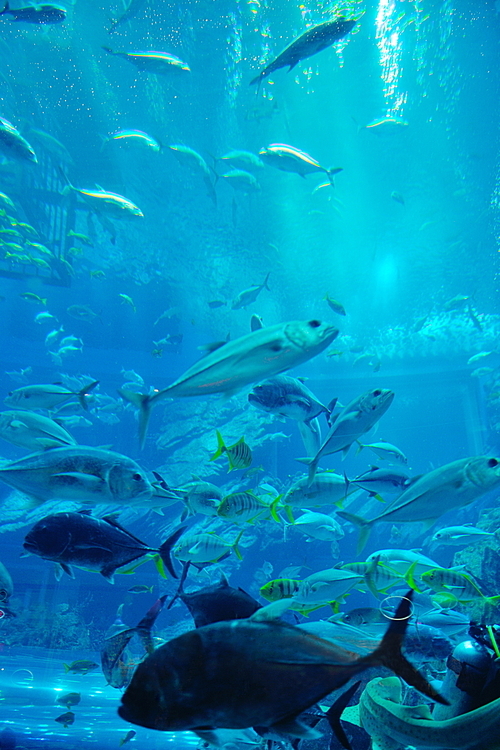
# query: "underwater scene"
250, 374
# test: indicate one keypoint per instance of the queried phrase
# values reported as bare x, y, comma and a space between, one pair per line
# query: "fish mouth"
30, 546
330, 333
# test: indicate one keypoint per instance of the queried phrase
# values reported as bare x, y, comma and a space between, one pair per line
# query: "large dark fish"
309, 43
97, 543
218, 603
46, 13
254, 672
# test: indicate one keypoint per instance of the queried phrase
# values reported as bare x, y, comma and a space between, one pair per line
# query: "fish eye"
276, 348
492, 462
378, 392
314, 323
10, 393
136, 477
3, 595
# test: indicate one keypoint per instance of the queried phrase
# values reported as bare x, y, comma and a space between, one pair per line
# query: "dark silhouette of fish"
217, 603
309, 43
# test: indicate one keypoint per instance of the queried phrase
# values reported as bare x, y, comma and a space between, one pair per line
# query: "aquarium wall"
250, 339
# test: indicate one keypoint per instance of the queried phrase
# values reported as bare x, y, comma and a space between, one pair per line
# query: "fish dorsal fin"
272, 611
212, 347
85, 512
112, 519
223, 583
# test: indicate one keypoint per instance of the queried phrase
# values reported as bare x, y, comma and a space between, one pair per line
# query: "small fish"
45, 13
135, 136
5, 199
32, 397
239, 455
397, 197
68, 718
205, 548
247, 296
280, 588
388, 123
474, 319
478, 357
243, 160
161, 63
33, 431
385, 451
20, 376
128, 301
312, 41
81, 666
239, 507
82, 312
127, 737
456, 303
457, 583
217, 603
104, 201
481, 372
460, 536
213, 304
291, 159
80, 237
241, 180
12, 143
167, 314
97, 274
379, 481
335, 306
141, 589
30, 297
69, 699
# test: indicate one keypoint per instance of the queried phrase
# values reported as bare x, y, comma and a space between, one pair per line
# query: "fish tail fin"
313, 467
360, 448
166, 549
331, 172
220, 447
180, 588
82, 395
273, 508
364, 525
410, 577
5, 8
107, 49
235, 545
66, 668
265, 281
257, 80
144, 402
335, 712
143, 628
389, 652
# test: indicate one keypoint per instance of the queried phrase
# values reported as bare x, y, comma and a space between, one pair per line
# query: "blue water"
411, 223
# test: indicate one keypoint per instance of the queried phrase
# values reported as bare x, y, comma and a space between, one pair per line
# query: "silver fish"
235, 364
47, 396
33, 431
79, 473
450, 486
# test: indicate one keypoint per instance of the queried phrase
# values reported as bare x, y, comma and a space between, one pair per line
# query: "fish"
378, 481
401, 560
335, 306
325, 586
79, 473
358, 417
205, 547
478, 357
245, 160
457, 303
248, 296
460, 536
8, 201
239, 179
33, 431
262, 673
242, 506
80, 237
135, 136
116, 662
127, 737
287, 397
66, 719
235, 364
6, 585
190, 158
459, 584
100, 544
128, 301
396, 196
309, 43
318, 526
166, 315
80, 666
82, 312
12, 143
141, 589
239, 455
31, 297
217, 603
47, 396
473, 318
451, 486
45, 13
104, 201
46, 141
201, 497
392, 725
385, 451
69, 699
20, 376
291, 159
131, 9
389, 124
327, 488
363, 616
280, 588
150, 61
215, 303
448, 621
